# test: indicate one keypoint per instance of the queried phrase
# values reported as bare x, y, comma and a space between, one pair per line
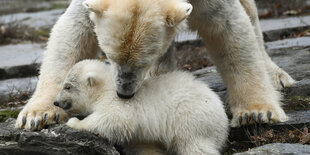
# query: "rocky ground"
286, 28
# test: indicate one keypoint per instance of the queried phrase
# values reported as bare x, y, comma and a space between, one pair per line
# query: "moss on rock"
4, 115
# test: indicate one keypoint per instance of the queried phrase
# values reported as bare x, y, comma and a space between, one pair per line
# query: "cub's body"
175, 110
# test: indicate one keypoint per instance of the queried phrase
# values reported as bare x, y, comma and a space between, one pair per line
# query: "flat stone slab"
20, 60
284, 23
56, 140
36, 20
288, 43
296, 118
21, 54
279, 149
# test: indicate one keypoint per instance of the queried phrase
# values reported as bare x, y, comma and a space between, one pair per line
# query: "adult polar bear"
230, 29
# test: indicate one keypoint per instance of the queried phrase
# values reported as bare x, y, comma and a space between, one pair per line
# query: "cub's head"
84, 84
134, 34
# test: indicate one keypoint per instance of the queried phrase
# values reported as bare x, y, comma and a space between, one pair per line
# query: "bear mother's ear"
97, 6
176, 12
91, 79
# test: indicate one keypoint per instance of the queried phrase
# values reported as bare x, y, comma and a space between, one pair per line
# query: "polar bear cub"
175, 110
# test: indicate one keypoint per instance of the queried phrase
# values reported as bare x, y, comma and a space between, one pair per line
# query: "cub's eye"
67, 87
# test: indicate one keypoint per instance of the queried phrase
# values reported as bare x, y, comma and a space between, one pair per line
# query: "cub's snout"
66, 105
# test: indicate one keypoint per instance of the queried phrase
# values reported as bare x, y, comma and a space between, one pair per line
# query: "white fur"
175, 109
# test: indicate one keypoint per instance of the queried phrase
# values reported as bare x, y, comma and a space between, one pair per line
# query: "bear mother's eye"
67, 87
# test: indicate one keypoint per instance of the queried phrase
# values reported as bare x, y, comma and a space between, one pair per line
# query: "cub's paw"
36, 116
73, 123
259, 113
281, 79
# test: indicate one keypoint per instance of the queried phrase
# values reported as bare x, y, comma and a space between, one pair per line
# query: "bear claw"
37, 124
260, 117
253, 117
57, 118
282, 84
45, 117
24, 120
269, 114
246, 116
32, 123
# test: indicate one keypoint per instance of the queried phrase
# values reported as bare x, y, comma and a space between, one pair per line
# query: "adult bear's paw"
257, 113
35, 116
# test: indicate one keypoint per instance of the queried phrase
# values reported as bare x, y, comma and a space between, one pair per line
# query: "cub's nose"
56, 104
123, 96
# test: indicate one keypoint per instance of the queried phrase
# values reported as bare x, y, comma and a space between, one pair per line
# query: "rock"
20, 60
36, 20
301, 88
288, 43
297, 118
56, 140
279, 149
21, 54
284, 23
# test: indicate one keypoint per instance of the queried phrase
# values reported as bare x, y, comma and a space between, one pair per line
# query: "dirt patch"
192, 55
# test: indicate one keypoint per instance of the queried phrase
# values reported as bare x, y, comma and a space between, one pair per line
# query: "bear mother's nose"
56, 103
122, 96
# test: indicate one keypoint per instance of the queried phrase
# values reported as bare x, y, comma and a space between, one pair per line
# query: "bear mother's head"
134, 34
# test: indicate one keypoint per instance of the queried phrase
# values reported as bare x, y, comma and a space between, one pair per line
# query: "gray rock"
20, 60
56, 140
301, 88
296, 118
21, 54
36, 20
288, 43
279, 149
284, 23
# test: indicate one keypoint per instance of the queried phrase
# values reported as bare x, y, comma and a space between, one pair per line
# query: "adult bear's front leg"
72, 39
230, 38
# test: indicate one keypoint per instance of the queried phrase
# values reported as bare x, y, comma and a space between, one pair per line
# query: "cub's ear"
97, 6
91, 79
176, 12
